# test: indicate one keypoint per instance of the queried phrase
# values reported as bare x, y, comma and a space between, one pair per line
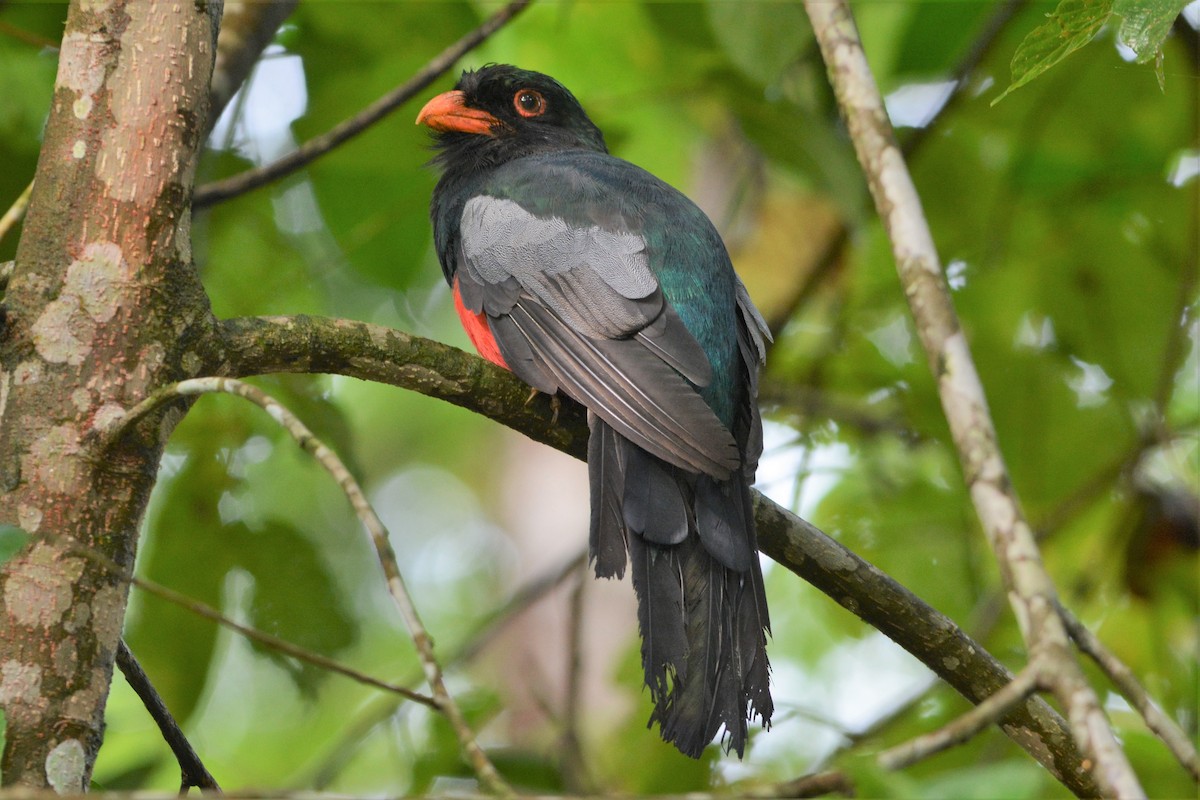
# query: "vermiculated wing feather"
596, 281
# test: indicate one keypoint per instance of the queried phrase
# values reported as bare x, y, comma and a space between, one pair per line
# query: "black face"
515, 112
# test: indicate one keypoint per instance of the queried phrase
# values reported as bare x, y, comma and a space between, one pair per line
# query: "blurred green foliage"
1067, 220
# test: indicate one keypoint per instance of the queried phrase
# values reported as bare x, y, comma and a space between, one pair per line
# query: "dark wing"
577, 308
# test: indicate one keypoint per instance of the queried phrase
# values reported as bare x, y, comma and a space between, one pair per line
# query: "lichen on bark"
101, 298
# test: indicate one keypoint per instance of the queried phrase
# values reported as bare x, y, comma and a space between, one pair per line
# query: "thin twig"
235, 185
1097, 486
816, 785
1127, 684
375, 528
265, 639
989, 34
279, 645
1031, 591
16, 212
831, 255
574, 765
963, 728
838, 238
246, 30
259, 345
191, 768
487, 630
28, 37
815, 403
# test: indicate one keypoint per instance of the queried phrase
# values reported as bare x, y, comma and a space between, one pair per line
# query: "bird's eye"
529, 103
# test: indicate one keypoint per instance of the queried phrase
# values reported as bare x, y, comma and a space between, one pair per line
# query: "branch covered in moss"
259, 345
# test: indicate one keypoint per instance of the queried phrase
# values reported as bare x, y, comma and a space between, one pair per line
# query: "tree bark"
104, 306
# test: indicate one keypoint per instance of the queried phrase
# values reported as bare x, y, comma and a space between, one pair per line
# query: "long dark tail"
701, 607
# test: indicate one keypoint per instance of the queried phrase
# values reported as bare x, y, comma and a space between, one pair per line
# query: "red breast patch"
478, 330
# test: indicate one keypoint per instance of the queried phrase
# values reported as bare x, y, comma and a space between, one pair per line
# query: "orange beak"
449, 112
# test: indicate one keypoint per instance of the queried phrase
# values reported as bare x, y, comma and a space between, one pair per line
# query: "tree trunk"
104, 306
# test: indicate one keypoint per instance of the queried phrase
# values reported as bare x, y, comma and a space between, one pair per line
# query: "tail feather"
606, 473
701, 606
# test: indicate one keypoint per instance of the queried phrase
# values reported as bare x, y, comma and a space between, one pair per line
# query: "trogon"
587, 275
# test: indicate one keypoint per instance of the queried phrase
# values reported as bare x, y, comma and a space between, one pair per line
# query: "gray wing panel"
597, 280
578, 308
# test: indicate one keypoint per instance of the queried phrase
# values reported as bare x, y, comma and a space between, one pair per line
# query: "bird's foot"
555, 404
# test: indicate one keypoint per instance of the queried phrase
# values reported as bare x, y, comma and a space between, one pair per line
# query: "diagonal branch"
374, 526
383, 708
246, 30
267, 640
192, 769
1123, 678
982, 45
1031, 591
257, 345
15, 212
835, 244
960, 730
215, 192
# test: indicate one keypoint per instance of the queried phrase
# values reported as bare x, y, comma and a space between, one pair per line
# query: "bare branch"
960, 730
246, 30
262, 345
371, 352
192, 770
575, 771
532, 591
16, 212
217, 191
815, 785
1127, 684
265, 639
980, 47
1031, 590
479, 761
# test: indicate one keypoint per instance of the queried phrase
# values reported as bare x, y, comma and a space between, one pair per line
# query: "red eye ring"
529, 103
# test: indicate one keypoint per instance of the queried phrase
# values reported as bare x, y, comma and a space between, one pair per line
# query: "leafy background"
1066, 216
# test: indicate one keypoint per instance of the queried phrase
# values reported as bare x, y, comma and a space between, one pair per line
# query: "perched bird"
585, 274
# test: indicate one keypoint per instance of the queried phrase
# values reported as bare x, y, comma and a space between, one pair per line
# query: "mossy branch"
305, 344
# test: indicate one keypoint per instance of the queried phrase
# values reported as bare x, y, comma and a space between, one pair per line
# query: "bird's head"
498, 113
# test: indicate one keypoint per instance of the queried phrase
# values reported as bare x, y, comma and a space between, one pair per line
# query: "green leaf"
1145, 24
935, 36
295, 597
1144, 27
12, 539
760, 39
1069, 27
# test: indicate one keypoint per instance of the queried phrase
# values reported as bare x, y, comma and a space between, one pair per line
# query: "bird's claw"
555, 404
